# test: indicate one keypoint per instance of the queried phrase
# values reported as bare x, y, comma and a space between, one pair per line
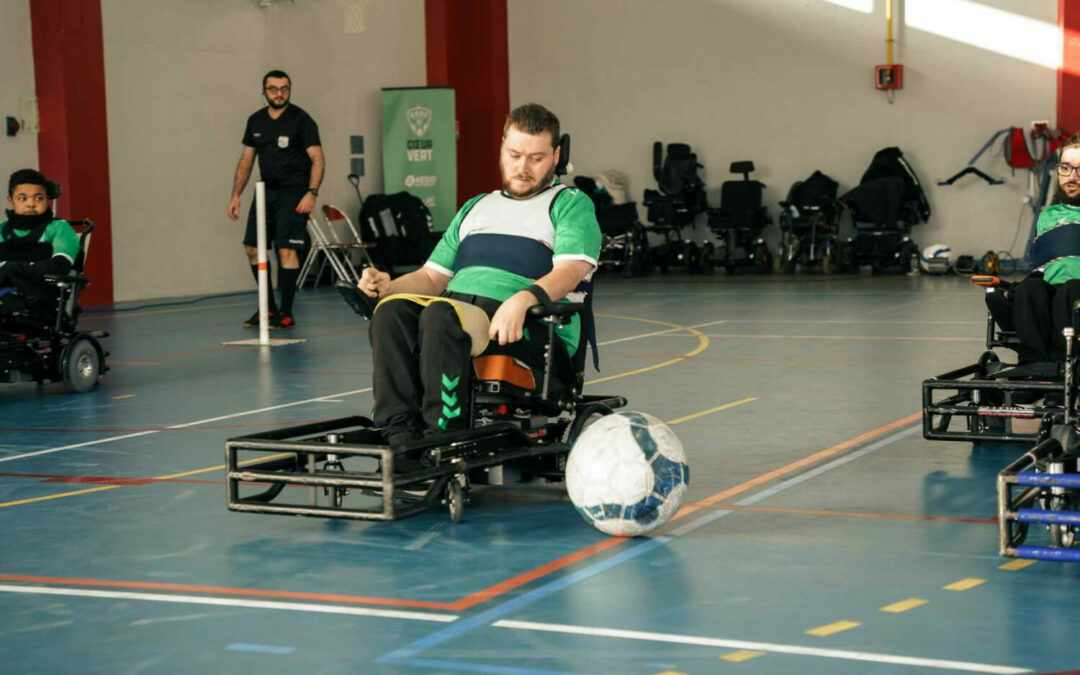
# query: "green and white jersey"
58, 234
497, 246
1065, 269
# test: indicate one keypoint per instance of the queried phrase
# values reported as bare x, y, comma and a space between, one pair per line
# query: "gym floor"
822, 534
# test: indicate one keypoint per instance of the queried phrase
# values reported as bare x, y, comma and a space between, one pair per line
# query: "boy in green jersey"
32, 244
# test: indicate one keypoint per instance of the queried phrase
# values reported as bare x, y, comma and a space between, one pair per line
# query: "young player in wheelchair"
41, 261
478, 373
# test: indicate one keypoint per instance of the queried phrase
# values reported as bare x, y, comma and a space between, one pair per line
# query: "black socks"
287, 283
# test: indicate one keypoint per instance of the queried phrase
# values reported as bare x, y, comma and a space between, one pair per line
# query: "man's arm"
307, 203
509, 321
243, 172
424, 281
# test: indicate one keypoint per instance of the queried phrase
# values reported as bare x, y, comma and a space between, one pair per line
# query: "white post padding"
260, 228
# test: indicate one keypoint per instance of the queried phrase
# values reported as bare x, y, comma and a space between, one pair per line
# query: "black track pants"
1040, 311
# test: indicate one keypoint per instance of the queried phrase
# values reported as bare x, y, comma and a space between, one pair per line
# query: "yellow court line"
835, 627
76, 493
123, 396
703, 344
710, 411
742, 655
1017, 565
904, 605
965, 584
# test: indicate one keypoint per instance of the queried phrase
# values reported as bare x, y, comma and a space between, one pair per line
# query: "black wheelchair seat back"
817, 191
678, 174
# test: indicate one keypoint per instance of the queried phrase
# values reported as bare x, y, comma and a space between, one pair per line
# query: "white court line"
111, 439
660, 332
761, 647
231, 602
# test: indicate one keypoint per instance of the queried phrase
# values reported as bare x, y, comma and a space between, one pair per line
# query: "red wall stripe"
73, 145
1068, 103
467, 50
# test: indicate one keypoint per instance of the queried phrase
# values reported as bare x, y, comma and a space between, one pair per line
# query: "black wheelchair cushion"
740, 197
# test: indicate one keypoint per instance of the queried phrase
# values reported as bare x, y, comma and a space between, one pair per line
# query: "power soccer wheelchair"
991, 400
810, 226
516, 434
739, 222
1042, 486
519, 430
625, 245
678, 202
40, 341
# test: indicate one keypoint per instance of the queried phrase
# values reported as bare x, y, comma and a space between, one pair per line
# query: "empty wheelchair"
886, 204
625, 245
809, 227
739, 222
41, 340
677, 204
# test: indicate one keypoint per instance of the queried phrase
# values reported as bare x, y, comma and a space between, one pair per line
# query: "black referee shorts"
285, 228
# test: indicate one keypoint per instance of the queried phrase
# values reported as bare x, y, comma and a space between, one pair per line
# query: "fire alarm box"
889, 77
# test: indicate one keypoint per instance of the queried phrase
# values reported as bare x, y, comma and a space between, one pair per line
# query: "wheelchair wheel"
80, 365
455, 500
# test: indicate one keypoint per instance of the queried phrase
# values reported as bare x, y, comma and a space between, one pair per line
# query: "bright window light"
989, 28
864, 6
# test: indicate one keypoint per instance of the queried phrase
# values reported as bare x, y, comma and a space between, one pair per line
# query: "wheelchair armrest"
58, 279
987, 281
360, 302
557, 310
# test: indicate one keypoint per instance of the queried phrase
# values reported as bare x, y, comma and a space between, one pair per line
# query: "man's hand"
234, 208
307, 203
509, 321
373, 283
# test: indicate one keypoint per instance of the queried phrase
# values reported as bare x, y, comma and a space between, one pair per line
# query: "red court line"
251, 592
504, 586
107, 480
129, 430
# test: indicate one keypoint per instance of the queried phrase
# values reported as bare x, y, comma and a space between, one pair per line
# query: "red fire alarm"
889, 77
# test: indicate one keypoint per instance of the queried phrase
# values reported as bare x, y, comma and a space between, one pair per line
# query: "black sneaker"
253, 320
282, 321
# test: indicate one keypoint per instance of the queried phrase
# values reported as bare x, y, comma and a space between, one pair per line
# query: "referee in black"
286, 140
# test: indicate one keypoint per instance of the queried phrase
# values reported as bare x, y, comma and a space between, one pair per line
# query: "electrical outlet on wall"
28, 111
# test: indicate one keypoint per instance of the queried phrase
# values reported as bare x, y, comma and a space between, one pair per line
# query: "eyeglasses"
1064, 169
275, 90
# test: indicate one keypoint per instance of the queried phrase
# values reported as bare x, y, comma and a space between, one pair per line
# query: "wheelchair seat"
740, 219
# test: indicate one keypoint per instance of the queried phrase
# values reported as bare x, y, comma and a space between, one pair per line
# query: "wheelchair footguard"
348, 456
1042, 488
967, 404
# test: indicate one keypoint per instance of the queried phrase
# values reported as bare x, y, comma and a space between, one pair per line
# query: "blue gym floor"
822, 534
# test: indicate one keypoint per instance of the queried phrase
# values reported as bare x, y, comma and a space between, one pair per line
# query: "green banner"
420, 148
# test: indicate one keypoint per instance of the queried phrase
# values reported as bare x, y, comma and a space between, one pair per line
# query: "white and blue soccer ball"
627, 474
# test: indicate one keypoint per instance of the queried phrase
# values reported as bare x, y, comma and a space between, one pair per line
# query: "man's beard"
540, 186
1061, 198
276, 106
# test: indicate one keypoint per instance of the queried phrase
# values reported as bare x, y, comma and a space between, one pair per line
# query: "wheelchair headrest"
745, 167
52, 189
564, 166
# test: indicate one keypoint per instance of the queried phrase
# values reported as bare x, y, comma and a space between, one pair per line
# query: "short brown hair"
534, 119
1074, 140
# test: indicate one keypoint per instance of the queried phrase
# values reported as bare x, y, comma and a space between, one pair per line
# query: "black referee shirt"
281, 146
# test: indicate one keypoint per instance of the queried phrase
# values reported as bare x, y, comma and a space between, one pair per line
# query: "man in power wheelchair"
478, 374
1028, 317
41, 260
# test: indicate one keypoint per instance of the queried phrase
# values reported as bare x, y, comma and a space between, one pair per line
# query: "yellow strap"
474, 321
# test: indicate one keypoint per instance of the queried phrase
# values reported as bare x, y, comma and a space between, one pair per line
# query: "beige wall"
788, 84
182, 78
16, 83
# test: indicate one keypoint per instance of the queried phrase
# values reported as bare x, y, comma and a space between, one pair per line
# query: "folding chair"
326, 242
